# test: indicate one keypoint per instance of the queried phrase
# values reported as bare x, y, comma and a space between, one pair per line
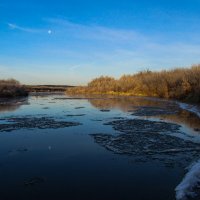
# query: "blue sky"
73, 41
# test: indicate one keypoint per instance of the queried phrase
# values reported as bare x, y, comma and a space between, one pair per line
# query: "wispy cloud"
89, 50
96, 32
111, 44
28, 30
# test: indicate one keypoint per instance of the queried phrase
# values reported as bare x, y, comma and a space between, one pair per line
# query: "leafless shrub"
180, 83
12, 88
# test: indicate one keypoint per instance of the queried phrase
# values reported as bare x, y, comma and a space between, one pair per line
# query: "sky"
73, 41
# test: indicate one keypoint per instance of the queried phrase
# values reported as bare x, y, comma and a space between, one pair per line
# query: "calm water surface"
72, 163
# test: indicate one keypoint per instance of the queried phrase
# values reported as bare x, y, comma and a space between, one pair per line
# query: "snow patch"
189, 183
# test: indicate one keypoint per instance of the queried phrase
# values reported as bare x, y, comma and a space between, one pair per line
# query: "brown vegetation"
12, 88
180, 83
47, 88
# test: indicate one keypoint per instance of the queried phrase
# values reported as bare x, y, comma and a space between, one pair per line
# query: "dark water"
42, 158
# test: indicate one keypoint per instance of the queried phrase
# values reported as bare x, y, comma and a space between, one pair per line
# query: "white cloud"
28, 30
86, 51
96, 32
16, 27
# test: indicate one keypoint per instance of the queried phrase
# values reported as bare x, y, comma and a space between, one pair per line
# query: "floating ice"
190, 108
186, 189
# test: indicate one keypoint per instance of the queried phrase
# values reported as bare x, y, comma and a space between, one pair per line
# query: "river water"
99, 147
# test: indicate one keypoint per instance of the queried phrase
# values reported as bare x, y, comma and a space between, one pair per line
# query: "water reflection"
47, 158
10, 105
124, 103
149, 107
186, 118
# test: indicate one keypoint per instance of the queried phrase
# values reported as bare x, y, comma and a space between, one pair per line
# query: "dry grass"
180, 83
12, 88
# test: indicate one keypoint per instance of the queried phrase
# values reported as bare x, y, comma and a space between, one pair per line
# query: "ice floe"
190, 108
191, 181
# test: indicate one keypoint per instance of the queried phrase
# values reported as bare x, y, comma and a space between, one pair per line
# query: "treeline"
47, 88
180, 83
12, 88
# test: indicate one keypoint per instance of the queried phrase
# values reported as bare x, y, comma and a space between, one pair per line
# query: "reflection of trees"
184, 117
136, 103
9, 105
124, 103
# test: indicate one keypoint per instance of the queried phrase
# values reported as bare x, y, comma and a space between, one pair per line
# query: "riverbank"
12, 88
47, 88
179, 84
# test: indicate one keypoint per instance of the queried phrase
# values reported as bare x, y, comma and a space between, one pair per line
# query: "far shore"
182, 84
47, 88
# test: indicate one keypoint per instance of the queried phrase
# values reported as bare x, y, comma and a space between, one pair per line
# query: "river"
55, 146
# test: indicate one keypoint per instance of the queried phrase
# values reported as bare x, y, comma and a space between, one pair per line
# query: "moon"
49, 31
